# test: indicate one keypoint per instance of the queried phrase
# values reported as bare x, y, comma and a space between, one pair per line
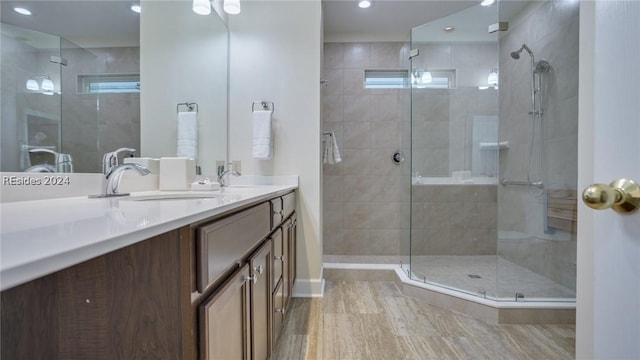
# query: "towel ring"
265, 105
189, 105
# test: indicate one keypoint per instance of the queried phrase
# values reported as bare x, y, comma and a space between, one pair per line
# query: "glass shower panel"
79, 109
539, 119
31, 110
454, 152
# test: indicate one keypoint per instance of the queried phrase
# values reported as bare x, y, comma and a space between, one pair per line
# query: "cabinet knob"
279, 212
280, 310
259, 269
253, 278
279, 257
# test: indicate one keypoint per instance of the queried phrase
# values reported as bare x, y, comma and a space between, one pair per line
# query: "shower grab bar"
538, 184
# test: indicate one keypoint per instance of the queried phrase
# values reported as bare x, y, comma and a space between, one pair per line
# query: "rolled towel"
187, 138
262, 137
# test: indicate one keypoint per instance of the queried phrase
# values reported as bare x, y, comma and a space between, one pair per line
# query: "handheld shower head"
516, 54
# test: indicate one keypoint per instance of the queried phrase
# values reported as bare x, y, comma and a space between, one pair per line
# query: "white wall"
275, 55
182, 58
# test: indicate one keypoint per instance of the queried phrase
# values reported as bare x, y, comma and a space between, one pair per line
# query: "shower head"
516, 54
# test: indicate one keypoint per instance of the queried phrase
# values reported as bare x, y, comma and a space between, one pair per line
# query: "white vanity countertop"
43, 236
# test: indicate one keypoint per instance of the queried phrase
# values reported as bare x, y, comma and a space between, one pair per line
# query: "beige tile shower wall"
366, 195
550, 29
453, 220
119, 115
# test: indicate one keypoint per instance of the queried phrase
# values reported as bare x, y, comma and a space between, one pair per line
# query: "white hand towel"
331, 151
262, 137
187, 138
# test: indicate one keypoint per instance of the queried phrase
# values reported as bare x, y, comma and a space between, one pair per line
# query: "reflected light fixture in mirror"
47, 84
22, 11
487, 2
136, 8
201, 7
231, 7
364, 4
32, 85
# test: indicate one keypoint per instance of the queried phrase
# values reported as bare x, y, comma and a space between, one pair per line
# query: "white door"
608, 294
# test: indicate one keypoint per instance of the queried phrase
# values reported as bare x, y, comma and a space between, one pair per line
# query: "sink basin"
182, 195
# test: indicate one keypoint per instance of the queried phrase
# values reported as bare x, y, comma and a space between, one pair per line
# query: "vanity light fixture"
22, 11
364, 4
47, 85
492, 79
136, 8
201, 7
487, 2
231, 7
32, 85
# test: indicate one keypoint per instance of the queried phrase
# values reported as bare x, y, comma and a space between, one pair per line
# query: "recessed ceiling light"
22, 11
363, 4
449, 28
136, 8
487, 2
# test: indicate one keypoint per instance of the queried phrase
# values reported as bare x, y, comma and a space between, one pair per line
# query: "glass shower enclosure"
493, 151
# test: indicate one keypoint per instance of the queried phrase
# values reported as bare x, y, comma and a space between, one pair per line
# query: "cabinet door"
279, 312
225, 320
292, 244
260, 267
278, 256
286, 260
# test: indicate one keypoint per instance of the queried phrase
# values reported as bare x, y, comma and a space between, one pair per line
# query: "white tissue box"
150, 163
176, 173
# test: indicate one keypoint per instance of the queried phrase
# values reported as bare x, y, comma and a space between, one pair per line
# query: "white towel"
187, 139
262, 137
331, 151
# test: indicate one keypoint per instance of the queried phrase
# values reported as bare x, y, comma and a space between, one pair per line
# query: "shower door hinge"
58, 60
413, 53
499, 26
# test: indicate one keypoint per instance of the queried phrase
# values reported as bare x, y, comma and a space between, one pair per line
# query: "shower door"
454, 145
494, 149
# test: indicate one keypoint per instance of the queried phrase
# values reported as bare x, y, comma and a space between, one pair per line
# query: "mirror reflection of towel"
187, 138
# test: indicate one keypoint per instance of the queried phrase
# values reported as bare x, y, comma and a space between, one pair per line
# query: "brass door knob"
622, 195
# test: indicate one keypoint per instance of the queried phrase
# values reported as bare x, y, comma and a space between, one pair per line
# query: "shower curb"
491, 311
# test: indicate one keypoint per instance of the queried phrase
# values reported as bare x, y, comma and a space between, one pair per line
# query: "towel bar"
189, 105
266, 105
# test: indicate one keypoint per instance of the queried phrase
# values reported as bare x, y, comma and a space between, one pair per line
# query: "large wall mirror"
72, 83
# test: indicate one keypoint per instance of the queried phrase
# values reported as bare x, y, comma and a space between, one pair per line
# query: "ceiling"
88, 23
92, 23
386, 20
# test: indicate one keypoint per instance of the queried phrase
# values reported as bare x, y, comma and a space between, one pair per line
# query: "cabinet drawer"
276, 212
288, 204
222, 245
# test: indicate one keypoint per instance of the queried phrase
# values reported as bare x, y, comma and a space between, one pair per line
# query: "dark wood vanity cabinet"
211, 290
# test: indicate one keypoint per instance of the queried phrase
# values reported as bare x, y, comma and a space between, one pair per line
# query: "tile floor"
373, 320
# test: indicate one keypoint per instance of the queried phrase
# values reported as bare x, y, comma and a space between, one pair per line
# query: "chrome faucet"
222, 174
63, 163
110, 159
114, 175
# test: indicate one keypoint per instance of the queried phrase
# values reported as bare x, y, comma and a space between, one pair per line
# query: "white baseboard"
308, 288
